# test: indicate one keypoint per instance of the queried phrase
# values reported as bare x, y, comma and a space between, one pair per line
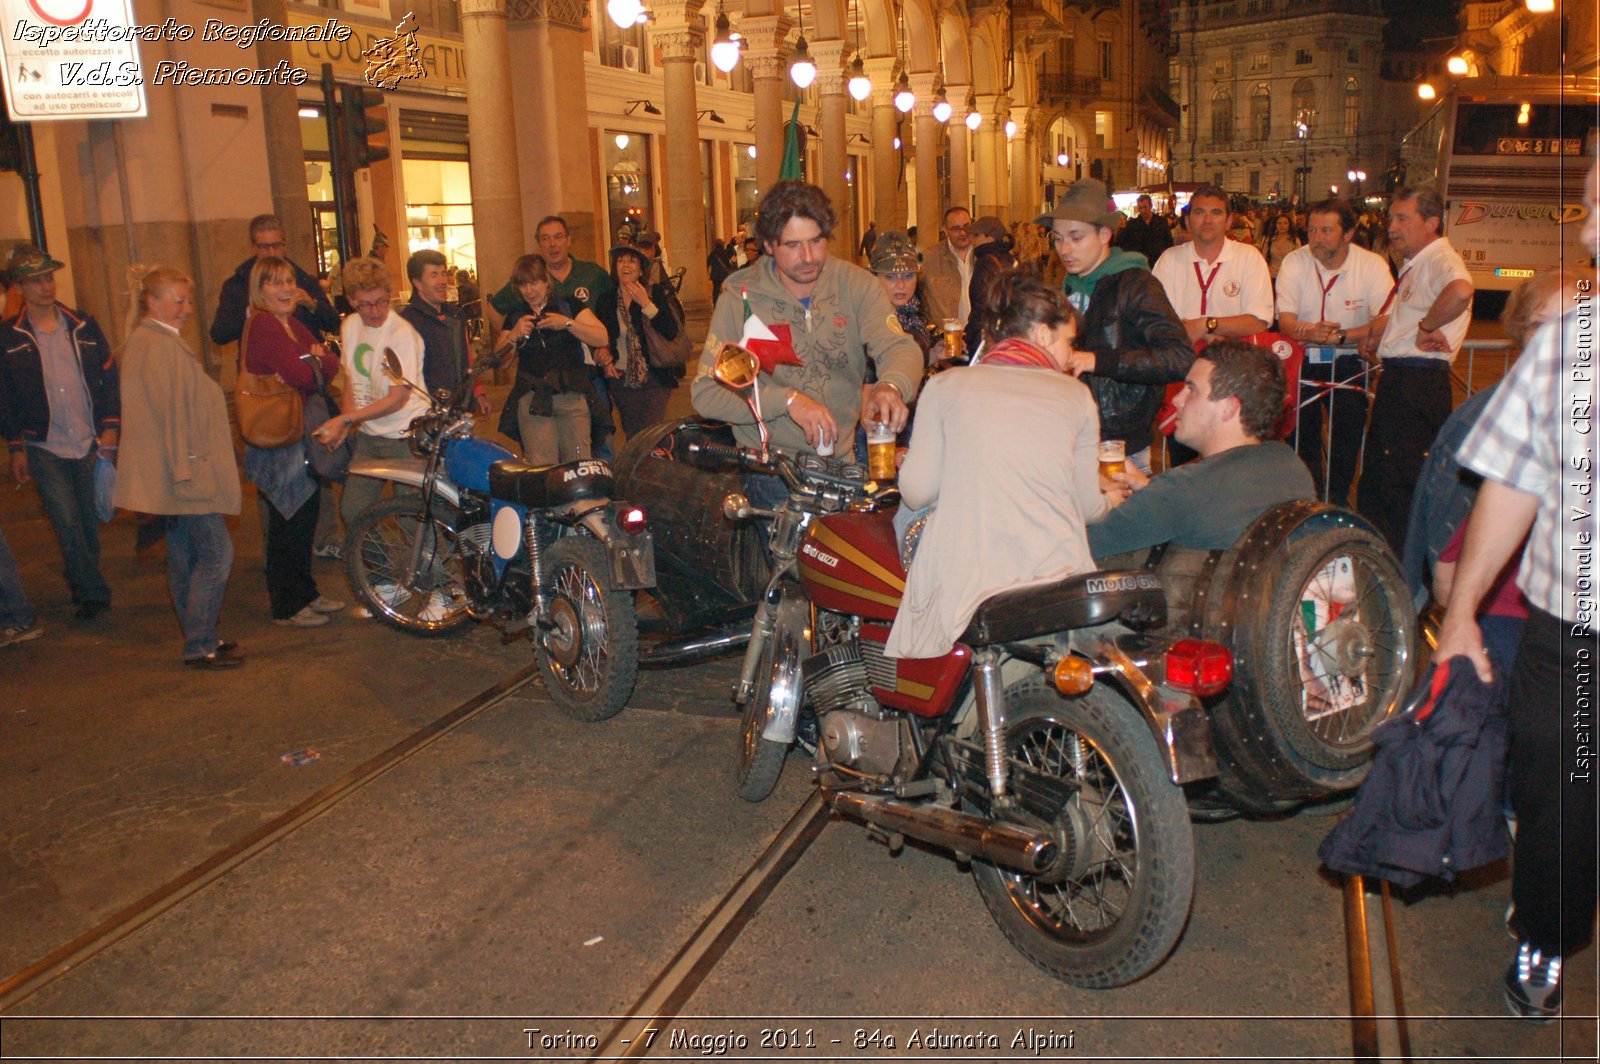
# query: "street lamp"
1356, 177
1302, 125
1426, 91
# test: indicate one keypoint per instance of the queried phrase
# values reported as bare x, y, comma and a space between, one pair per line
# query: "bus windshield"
1521, 129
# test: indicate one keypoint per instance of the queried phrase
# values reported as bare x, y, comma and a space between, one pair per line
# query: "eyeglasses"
957, 228
275, 246
370, 304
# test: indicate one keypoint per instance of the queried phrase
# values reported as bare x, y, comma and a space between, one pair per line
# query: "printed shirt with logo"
1349, 296
1236, 283
364, 375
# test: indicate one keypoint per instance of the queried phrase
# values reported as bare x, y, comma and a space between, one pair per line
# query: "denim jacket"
24, 403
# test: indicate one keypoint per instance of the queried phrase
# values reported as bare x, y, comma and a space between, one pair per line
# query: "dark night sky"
1411, 21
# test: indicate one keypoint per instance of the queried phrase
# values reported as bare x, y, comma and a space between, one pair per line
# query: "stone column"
888, 198
1024, 165
993, 173
829, 57
491, 129
680, 36
286, 163
768, 57
549, 88
960, 150
929, 213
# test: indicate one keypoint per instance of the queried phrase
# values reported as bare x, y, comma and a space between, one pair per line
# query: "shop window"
439, 210
746, 194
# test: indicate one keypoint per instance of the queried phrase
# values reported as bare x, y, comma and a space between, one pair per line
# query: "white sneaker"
324, 604
306, 618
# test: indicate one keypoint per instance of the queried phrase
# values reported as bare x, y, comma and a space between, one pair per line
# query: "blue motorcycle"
473, 532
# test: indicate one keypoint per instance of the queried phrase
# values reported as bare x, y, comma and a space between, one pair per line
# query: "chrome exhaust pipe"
698, 647
1011, 845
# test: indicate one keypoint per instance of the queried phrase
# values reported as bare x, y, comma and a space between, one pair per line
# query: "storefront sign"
75, 58
442, 62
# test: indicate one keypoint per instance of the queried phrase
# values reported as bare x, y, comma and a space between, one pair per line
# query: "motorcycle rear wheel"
589, 658
1120, 906
377, 550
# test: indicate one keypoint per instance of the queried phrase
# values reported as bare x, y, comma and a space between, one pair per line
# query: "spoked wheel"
777, 689
589, 656
1338, 650
1115, 904
391, 538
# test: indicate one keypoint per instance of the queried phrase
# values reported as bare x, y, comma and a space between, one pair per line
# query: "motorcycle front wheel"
589, 653
1116, 905
378, 550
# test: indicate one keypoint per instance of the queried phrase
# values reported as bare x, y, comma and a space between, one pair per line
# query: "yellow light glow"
1426, 91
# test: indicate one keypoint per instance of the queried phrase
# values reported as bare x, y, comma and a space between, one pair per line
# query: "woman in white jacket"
1005, 453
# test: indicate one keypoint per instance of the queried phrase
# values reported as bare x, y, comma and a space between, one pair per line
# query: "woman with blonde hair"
276, 343
177, 459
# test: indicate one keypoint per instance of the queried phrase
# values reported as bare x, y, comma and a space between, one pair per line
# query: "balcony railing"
1059, 87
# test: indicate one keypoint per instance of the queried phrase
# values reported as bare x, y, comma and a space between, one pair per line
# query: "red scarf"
1018, 352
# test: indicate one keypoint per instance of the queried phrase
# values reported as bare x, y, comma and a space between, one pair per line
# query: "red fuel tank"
850, 563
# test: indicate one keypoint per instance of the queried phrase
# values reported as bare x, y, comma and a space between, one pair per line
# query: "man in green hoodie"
1131, 345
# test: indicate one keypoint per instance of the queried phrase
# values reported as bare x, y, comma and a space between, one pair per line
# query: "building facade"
1280, 98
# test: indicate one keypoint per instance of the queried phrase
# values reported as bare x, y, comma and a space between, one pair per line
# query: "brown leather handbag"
271, 413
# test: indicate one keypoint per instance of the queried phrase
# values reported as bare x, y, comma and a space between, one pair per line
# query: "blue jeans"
199, 559
14, 609
66, 488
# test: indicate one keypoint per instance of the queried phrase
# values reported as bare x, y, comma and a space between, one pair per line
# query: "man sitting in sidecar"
1228, 410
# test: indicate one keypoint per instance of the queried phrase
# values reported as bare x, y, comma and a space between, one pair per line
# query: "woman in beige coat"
1005, 453
177, 460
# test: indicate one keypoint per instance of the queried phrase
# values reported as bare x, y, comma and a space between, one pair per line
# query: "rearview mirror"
736, 367
391, 364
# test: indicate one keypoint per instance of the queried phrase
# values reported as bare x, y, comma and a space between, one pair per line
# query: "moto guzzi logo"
1102, 585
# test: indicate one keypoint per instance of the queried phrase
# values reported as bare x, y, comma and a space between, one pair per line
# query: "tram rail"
130, 918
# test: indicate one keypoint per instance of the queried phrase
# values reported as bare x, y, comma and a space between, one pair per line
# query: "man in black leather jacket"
1131, 344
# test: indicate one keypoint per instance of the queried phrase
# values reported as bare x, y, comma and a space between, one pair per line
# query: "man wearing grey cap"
60, 406
1131, 345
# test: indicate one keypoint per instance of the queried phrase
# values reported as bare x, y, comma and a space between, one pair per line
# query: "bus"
1507, 155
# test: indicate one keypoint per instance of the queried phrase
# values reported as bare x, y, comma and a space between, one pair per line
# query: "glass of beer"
880, 453
1113, 454
954, 338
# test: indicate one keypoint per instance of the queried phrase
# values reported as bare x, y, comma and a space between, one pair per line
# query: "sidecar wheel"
378, 549
1116, 906
760, 758
589, 657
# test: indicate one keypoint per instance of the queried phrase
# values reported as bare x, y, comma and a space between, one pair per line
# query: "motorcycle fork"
762, 629
430, 478
991, 702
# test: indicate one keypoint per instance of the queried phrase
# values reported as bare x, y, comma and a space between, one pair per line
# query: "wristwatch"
1211, 325
1340, 339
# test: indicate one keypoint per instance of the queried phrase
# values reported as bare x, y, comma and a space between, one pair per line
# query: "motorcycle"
1047, 748
473, 532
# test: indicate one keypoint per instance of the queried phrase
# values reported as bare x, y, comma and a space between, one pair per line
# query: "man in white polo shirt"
1415, 338
1328, 293
1219, 287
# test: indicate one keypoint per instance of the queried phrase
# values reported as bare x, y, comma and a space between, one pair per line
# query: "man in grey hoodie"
1131, 345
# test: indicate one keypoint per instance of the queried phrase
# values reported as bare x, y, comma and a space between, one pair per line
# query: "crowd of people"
1057, 349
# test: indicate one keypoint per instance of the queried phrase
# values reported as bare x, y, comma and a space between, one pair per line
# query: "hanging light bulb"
974, 120
1062, 158
941, 106
1011, 129
724, 47
802, 71
904, 98
752, 151
624, 12
860, 85
1426, 91
897, 144
622, 142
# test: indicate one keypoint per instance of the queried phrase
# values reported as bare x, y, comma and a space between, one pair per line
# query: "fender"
408, 471
791, 633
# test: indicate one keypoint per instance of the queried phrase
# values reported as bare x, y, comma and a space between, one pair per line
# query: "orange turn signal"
1072, 675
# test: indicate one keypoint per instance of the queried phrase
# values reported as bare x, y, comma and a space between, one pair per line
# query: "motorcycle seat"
540, 487
1082, 601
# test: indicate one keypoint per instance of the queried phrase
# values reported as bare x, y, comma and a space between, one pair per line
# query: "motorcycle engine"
474, 544
854, 732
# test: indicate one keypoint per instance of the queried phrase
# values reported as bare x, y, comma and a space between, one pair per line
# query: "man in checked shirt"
1534, 446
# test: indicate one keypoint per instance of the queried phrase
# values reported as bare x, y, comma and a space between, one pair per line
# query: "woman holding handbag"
644, 326
177, 460
276, 344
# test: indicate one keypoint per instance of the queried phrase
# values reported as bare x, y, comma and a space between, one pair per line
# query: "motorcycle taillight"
1199, 667
631, 519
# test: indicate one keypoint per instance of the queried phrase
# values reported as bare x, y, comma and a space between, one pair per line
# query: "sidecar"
1310, 600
